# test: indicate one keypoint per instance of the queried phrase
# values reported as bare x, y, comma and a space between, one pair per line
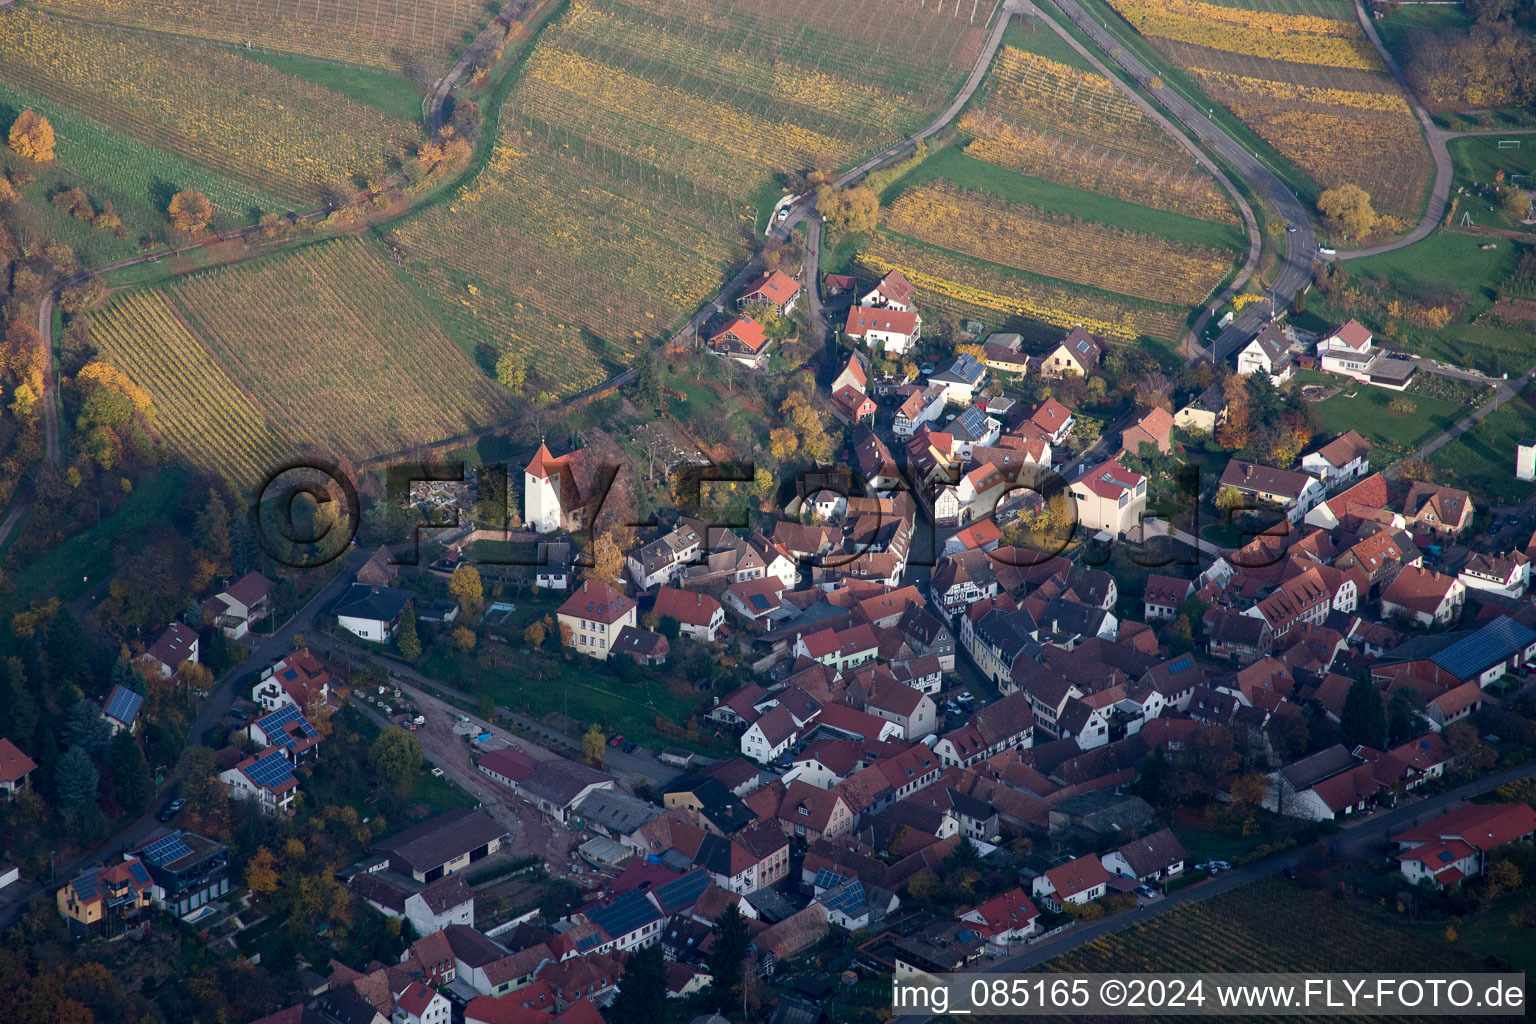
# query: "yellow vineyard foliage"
1052, 245
1095, 169
361, 31
1281, 41
669, 128
236, 116
202, 414
972, 285
1257, 21
1380, 101
328, 337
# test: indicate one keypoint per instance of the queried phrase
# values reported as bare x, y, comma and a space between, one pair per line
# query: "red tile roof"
862, 319
597, 601
1010, 911
688, 607
1077, 876
1484, 826
745, 330
14, 765
776, 286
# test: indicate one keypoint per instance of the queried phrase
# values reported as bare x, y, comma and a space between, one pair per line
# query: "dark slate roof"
1470, 657
683, 892
441, 838
628, 912
379, 603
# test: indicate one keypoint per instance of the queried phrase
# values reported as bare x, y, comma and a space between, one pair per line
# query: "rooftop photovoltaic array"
271, 770
124, 704
278, 722
166, 849
849, 900
826, 878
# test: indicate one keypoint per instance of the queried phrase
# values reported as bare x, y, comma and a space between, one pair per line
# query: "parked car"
170, 810
1147, 892
965, 697
617, 741
239, 714
631, 747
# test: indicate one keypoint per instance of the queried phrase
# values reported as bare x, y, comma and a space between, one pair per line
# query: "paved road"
1295, 271
1435, 137
1359, 837
1505, 391
806, 213
639, 764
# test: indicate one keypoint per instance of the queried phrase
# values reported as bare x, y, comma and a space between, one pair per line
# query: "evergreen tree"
406, 638
76, 781
86, 731
20, 708
242, 545
1152, 784
1364, 719
131, 771
642, 997
192, 614
1405, 714
213, 528
725, 958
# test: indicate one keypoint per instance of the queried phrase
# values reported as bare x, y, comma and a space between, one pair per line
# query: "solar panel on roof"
137, 872
826, 878
124, 704
1179, 666
277, 724
272, 770
166, 849
849, 900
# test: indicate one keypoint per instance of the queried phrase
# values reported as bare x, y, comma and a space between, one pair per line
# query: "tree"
1228, 498
1503, 876
1405, 714
1364, 719
534, 635
646, 383
464, 638
76, 779
642, 997
724, 960
261, 872
131, 772
466, 586
1515, 202
512, 372
848, 209
395, 757
32, 136
1347, 208
406, 637
87, 731
593, 742
607, 561
782, 443
190, 211
213, 528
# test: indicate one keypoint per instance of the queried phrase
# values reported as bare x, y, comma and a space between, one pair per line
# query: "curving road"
1435, 137
1295, 271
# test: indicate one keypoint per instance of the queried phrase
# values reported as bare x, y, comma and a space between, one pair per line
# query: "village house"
1340, 462
1507, 575
1438, 511
923, 405
1154, 858
697, 615
1347, 350
1005, 919
775, 288
961, 377
1455, 846
1079, 881
371, 613
1205, 412
1294, 493
1078, 354
893, 291
298, 679
15, 767
242, 604
744, 340
265, 777
106, 901
1154, 427
175, 645
1423, 595
1163, 596
890, 331
642, 646
1110, 498
1269, 353
663, 560
121, 709
590, 619
1004, 353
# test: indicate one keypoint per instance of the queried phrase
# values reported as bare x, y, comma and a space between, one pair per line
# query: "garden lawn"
1482, 460
967, 172
1366, 409
585, 691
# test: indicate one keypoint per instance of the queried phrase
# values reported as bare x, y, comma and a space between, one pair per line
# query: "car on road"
1290, 227
170, 811
965, 697
437, 773
617, 741
784, 214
